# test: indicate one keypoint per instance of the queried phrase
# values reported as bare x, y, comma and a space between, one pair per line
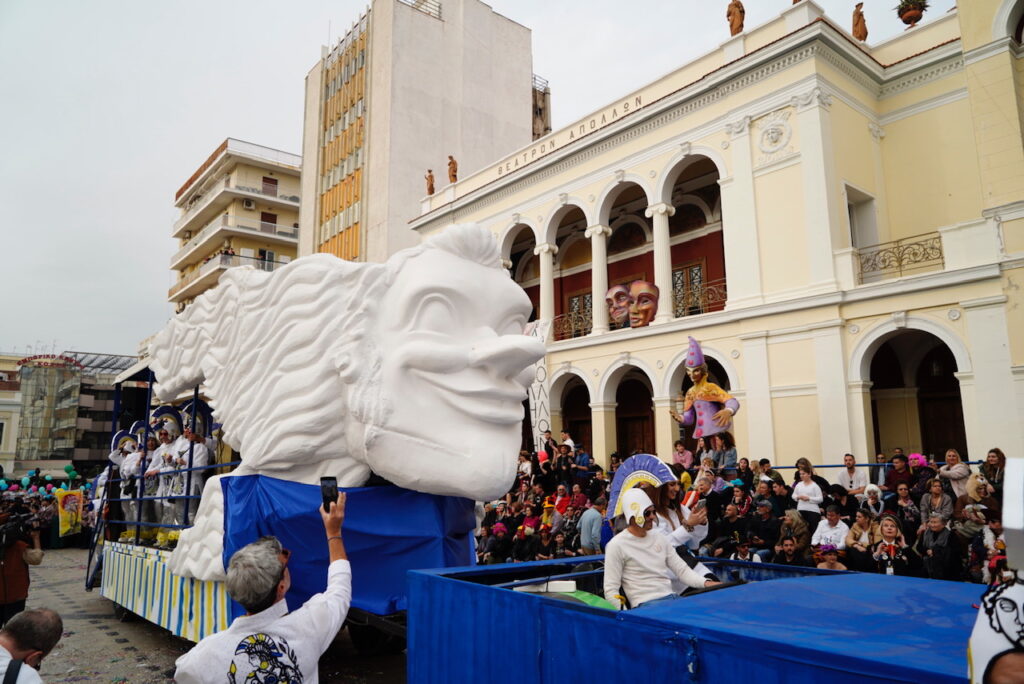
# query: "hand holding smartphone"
329, 491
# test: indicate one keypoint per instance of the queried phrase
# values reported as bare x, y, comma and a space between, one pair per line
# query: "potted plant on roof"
911, 11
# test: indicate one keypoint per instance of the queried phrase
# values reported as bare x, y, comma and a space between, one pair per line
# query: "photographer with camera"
16, 529
268, 643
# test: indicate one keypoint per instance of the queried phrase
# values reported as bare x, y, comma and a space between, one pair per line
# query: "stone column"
833, 406
739, 222
662, 259
547, 251
666, 430
823, 222
862, 444
758, 397
992, 420
602, 431
598, 236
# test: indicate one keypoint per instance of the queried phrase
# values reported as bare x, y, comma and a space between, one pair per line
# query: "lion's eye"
435, 313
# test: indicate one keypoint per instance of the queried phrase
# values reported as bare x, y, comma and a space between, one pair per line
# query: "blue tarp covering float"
388, 531
803, 626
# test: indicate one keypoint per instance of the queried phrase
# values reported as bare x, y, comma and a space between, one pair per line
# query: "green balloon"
73, 474
68, 468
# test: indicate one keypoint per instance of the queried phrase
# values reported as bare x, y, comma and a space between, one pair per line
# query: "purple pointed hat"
694, 356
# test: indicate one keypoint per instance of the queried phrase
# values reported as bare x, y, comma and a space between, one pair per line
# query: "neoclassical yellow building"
841, 224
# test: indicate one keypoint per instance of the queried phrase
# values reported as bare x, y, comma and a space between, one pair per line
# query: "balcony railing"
227, 221
431, 7
570, 325
899, 257
226, 184
222, 261
697, 299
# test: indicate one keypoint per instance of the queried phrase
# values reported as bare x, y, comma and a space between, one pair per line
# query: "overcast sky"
110, 105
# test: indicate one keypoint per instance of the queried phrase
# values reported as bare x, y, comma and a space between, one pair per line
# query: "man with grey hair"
268, 643
26, 639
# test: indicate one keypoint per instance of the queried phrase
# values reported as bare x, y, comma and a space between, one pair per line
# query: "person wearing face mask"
26, 639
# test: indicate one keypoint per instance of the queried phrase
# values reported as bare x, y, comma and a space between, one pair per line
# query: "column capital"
546, 248
597, 231
659, 208
815, 97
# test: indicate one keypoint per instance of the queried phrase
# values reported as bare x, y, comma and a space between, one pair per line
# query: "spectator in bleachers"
923, 473
808, 496
994, 470
726, 531
955, 473
788, 555
852, 478
570, 527
763, 529
831, 531
682, 458
762, 491
581, 465
873, 501
935, 546
743, 552
892, 554
545, 544
906, 511
971, 511
741, 500
562, 498
898, 474
578, 499
562, 548
530, 518
725, 451
993, 543
598, 485
803, 464
768, 471
935, 501
860, 541
590, 527
782, 498
524, 548
848, 503
830, 558
794, 526
702, 450
499, 546
745, 473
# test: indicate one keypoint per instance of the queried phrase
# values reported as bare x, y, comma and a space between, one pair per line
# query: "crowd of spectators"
905, 515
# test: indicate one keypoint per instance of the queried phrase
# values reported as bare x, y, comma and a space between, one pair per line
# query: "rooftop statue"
332, 368
735, 14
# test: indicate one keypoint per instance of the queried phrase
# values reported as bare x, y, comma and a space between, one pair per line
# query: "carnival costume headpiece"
167, 418
634, 503
204, 417
633, 471
138, 429
695, 355
123, 439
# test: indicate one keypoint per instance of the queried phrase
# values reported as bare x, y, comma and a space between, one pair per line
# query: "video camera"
16, 527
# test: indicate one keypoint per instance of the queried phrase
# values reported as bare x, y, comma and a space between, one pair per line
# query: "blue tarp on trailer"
846, 627
388, 531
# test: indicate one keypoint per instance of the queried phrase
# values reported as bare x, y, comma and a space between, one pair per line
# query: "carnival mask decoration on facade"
618, 301
632, 305
329, 367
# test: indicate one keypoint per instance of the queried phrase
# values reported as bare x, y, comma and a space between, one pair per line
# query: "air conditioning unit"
248, 204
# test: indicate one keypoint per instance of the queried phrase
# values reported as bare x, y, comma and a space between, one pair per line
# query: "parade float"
405, 381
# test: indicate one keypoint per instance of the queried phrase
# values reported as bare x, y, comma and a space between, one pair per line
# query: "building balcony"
899, 258
207, 275
220, 195
692, 300
225, 225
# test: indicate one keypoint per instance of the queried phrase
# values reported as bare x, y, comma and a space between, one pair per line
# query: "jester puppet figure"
707, 407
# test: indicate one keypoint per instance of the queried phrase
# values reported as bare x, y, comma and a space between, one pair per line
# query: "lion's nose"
507, 355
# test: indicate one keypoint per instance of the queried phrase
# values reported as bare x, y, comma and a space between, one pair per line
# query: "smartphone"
329, 491
701, 504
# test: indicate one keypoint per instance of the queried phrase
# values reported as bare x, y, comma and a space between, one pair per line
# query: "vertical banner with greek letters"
540, 408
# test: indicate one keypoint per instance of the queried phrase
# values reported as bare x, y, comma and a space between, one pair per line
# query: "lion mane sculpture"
328, 367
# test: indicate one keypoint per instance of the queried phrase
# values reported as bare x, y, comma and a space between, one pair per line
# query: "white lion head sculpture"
415, 369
